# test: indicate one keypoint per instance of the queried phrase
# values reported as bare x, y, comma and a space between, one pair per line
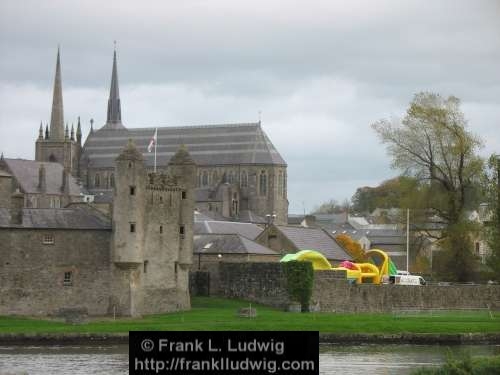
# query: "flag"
153, 141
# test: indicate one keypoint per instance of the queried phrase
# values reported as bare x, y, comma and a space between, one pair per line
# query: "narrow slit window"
182, 231
132, 227
146, 263
68, 278
132, 190
183, 194
161, 229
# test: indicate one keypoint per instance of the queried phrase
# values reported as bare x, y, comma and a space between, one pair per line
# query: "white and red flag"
153, 141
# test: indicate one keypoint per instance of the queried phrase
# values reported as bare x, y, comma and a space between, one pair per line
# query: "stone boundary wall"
265, 283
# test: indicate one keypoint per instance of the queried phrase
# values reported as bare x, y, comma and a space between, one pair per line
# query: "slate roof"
208, 145
78, 217
314, 239
248, 230
228, 244
26, 174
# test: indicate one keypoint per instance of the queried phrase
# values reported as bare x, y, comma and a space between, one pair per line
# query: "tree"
433, 145
331, 207
352, 247
492, 229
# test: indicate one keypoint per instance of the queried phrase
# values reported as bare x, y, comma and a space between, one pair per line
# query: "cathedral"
104, 227
241, 176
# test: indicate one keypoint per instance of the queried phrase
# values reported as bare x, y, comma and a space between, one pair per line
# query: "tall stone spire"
114, 118
57, 116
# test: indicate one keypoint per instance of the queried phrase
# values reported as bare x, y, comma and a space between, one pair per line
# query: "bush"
299, 281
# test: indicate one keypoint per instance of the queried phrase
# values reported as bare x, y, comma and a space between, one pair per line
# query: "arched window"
263, 183
205, 178
34, 202
97, 180
280, 183
244, 179
214, 178
230, 178
112, 180
52, 158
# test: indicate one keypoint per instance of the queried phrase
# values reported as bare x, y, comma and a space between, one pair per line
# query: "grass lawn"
221, 314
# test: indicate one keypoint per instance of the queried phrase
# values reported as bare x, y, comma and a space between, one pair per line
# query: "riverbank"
324, 338
217, 314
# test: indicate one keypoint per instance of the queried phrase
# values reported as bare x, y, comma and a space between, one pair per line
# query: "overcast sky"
319, 71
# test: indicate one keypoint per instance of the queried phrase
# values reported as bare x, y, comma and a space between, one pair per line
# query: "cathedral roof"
247, 230
230, 144
26, 174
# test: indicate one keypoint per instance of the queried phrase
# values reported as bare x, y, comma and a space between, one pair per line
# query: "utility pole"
408, 240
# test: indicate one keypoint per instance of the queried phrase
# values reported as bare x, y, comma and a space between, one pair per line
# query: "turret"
183, 168
79, 132
128, 207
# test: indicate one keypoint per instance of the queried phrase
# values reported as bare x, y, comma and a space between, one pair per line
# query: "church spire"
57, 116
114, 118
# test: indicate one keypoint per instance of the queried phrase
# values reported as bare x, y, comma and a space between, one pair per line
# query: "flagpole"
156, 141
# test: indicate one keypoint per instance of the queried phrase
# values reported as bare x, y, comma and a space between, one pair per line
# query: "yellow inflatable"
360, 272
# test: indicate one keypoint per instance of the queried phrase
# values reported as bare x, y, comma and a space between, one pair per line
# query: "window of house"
182, 231
68, 278
183, 194
132, 190
132, 227
48, 239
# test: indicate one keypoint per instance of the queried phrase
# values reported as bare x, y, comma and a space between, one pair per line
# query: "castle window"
97, 180
230, 178
68, 278
284, 184
161, 229
52, 158
182, 231
130, 164
244, 179
34, 202
146, 266
112, 180
280, 183
161, 199
48, 239
263, 183
183, 195
214, 178
176, 267
132, 227
132, 190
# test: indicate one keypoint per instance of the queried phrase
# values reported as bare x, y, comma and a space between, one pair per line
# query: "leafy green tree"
433, 145
492, 229
331, 207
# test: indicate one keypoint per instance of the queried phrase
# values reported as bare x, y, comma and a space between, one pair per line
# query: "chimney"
16, 208
42, 183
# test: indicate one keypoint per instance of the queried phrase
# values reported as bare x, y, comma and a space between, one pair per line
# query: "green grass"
221, 314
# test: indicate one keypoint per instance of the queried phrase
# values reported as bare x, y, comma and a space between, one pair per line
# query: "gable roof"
314, 239
26, 174
227, 144
228, 244
248, 230
78, 217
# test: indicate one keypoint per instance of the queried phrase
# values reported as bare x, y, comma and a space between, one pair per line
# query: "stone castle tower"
58, 144
151, 247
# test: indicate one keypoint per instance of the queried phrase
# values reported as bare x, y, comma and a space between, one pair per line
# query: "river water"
333, 359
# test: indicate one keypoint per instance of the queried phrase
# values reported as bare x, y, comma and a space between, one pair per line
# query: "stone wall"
265, 283
32, 273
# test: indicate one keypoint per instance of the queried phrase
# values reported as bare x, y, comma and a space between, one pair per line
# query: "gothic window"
57, 202
34, 202
52, 158
284, 184
280, 183
112, 180
263, 183
97, 180
205, 178
244, 179
214, 178
199, 180
231, 177
51, 204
